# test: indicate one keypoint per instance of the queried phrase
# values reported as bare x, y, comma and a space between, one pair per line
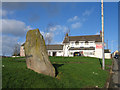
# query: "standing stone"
36, 53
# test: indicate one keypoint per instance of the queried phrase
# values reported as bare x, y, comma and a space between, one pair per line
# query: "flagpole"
103, 56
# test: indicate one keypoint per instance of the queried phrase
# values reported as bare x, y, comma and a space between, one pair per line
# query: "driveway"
115, 79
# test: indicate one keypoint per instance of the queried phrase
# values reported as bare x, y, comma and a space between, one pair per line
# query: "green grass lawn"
72, 72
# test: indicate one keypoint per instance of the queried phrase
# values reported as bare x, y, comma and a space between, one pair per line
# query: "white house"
88, 45
55, 50
22, 50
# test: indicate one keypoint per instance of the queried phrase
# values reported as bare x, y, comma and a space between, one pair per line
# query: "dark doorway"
54, 53
77, 54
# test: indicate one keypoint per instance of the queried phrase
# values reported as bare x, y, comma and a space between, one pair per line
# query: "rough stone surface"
36, 53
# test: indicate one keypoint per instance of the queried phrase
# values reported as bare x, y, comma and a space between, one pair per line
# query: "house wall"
71, 52
89, 53
98, 50
58, 52
22, 53
50, 52
82, 44
108, 55
98, 53
65, 50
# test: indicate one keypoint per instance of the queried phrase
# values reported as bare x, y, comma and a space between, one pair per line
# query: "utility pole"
103, 56
107, 44
111, 45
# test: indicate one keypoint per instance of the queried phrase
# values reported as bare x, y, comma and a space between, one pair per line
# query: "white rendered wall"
58, 52
65, 50
82, 44
107, 55
84, 52
98, 51
22, 53
89, 51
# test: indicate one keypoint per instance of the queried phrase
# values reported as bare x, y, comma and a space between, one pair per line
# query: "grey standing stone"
36, 54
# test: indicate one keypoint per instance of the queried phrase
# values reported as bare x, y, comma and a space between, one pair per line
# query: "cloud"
61, 28
87, 12
97, 33
75, 18
8, 44
58, 28
3, 12
54, 28
48, 36
76, 25
53, 31
57, 43
28, 28
14, 5
12, 31
14, 27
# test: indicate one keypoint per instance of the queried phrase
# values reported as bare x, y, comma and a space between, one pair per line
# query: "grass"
72, 72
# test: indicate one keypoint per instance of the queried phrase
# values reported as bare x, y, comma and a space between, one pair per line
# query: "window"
71, 53
68, 47
86, 43
77, 43
72, 43
81, 43
59, 51
89, 53
91, 43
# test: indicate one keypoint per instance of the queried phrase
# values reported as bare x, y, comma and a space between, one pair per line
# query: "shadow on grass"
100, 61
56, 66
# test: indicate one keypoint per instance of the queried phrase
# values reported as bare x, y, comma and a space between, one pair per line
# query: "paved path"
115, 79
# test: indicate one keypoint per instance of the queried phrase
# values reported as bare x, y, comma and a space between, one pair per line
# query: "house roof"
23, 44
54, 47
86, 38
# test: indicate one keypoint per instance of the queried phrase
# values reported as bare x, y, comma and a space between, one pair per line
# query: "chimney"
100, 33
66, 35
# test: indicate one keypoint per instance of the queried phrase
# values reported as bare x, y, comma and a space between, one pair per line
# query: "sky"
78, 18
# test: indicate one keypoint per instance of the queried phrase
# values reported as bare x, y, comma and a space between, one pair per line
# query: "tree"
49, 34
16, 50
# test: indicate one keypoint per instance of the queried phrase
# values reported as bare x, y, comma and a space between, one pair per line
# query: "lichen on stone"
35, 47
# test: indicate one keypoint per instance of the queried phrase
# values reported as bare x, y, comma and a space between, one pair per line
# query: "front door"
54, 53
